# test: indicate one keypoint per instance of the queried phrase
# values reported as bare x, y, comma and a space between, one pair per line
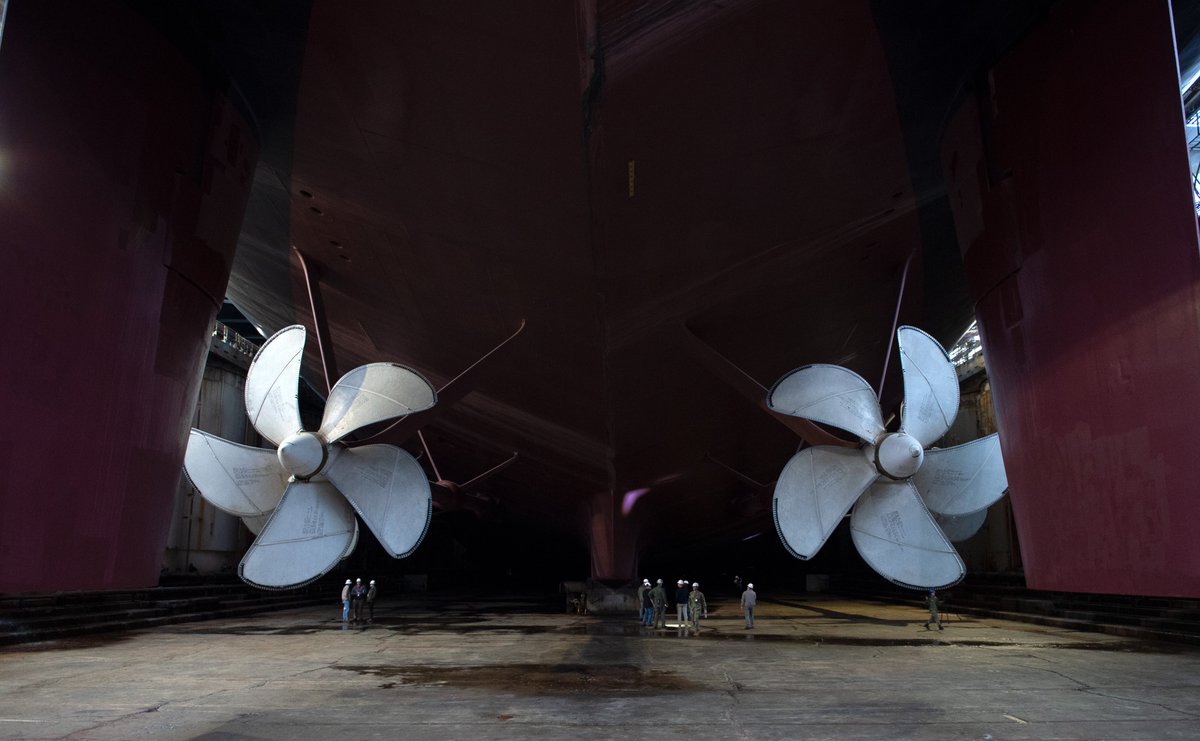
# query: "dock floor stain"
536, 679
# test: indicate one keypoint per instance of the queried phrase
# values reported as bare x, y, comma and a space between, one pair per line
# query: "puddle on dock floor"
534, 679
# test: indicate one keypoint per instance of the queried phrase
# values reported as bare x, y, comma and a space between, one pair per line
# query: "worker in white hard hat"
358, 595
681, 602
934, 603
641, 597
371, 593
697, 605
346, 601
749, 599
658, 596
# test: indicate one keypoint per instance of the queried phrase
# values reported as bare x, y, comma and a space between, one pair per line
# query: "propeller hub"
899, 455
303, 455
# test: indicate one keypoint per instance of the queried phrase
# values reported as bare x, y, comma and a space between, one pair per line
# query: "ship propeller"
899, 487
301, 498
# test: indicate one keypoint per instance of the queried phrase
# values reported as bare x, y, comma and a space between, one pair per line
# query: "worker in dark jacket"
358, 595
681, 602
372, 592
641, 597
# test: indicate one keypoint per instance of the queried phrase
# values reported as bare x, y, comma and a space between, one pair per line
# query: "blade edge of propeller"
810, 479
901, 565
264, 390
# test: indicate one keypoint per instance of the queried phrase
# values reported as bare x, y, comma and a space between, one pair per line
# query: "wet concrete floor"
458, 667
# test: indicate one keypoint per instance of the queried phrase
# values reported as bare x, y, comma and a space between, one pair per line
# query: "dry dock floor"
467, 667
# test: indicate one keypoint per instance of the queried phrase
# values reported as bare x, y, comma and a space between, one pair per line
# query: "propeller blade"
389, 491
238, 479
815, 491
962, 527
930, 386
272, 384
899, 538
964, 479
831, 395
310, 531
373, 393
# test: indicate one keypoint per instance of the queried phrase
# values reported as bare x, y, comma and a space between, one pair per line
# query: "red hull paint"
124, 179
1083, 255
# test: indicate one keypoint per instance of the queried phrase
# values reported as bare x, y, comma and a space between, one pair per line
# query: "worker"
681, 602
749, 599
934, 603
658, 596
697, 605
358, 595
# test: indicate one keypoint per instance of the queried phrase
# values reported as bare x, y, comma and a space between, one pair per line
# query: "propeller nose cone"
303, 455
899, 455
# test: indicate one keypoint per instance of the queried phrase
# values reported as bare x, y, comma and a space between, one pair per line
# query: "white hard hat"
347, 581
660, 581
750, 585
695, 584
679, 582
373, 581
646, 582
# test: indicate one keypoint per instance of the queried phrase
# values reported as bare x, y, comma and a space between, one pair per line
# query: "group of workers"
354, 596
690, 605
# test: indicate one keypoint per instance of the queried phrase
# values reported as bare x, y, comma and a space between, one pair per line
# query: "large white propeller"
301, 498
902, 490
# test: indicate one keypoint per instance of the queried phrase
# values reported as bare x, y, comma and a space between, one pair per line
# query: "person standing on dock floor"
934, 603
346, 601
681, 602
697, 605
372, 592
357, 595
749, 599
641, 598
658, 596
